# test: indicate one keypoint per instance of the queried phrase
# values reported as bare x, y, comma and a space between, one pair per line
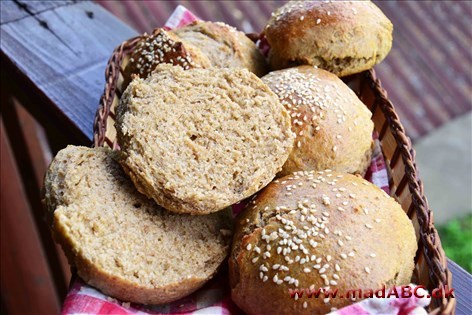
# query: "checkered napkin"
214, 297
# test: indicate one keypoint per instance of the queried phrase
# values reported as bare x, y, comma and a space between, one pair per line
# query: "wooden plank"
462, 284
25, 279
12, 10
9, 12
32, 152
61, 54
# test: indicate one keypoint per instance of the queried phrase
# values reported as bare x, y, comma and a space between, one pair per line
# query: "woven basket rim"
432, 248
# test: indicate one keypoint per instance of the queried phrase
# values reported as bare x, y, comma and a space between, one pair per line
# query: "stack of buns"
198, 131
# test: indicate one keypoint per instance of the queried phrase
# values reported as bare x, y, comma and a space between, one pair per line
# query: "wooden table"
53, 57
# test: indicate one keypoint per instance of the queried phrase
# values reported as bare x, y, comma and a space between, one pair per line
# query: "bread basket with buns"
404, 183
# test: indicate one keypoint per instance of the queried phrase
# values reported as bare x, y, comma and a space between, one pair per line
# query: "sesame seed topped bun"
318, 230
332, 126
159, 48
343, 37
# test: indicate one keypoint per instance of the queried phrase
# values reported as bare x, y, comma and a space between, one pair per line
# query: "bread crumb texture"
120, 241
224, 45
200, 140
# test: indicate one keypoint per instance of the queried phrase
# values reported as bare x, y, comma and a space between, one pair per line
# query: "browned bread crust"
318, 229
333, 127
343, 37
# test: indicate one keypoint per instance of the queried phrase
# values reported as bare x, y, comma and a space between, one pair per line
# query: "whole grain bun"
224, 45
199, 140
343, 37
318, 230
123, 243
332, 126
162, 47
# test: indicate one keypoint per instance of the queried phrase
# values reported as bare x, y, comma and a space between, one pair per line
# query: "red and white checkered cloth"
214, 297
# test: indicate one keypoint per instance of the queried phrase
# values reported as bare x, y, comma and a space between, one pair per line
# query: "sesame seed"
367, 269
373, 255
328, 258
265, 279
335, 276
368, 226
332, 282
326, 300
306, 270
322, 270
352, 196
276, 266
249, 246
318, 21
302, 18
377, 220
343, 256
340, 243
351, 254
305, 304
336, 267
254, 260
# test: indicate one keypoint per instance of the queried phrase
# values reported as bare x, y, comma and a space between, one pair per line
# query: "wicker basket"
405, 185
